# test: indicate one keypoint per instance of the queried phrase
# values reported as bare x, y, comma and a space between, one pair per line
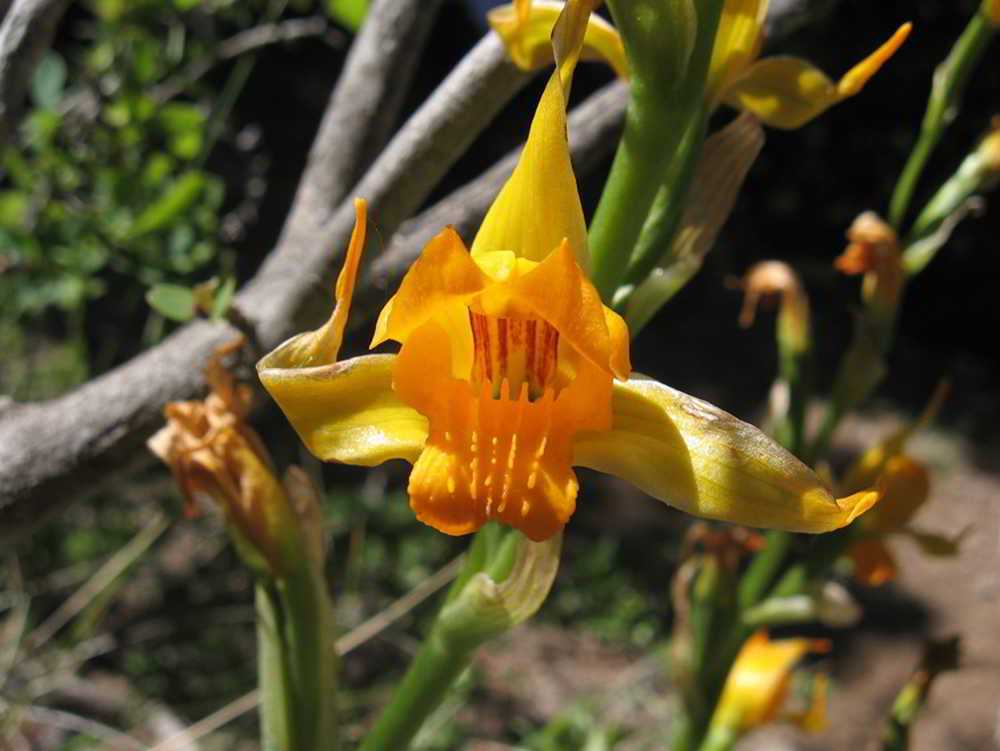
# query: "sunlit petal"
787, 92
737, 44
527, 33
348, 411
706, 462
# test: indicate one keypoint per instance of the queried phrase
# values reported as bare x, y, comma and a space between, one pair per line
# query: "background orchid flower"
512, 371
757, 687
905, 485
784, 92
525, 26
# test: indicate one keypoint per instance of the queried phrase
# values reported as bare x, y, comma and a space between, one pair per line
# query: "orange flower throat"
508, 359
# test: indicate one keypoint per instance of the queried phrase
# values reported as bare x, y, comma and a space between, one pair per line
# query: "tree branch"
27, 31
56, 451
52, 452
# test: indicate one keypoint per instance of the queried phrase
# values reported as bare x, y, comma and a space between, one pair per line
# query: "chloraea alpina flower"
905, 486
782, 91
512, 371
757, 686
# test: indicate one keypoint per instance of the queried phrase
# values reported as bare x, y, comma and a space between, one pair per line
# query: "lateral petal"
704, 461
348, 411
788, 92
784, 92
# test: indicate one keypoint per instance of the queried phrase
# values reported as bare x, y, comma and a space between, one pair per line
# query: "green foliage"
348, 12
104, 192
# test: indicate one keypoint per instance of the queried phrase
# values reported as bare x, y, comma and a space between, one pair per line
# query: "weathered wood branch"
54, 451
26, 33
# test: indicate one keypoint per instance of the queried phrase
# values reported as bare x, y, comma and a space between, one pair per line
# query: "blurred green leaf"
183, 5
223, 298
14, 210
350, 13
172, 301
178, 197
48, 82
178, 117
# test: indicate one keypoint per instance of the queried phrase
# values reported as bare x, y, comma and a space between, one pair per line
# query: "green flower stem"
652, 134
432, 673
719, 738
656, 122
445, 653
297, 663
764, 568
950, 79
664, 218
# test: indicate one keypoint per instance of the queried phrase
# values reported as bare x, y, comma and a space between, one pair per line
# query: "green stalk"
658, 117
719, 738
448, 648
663, 221
297, 663
434, 670
943, 106
653, 131
764, 568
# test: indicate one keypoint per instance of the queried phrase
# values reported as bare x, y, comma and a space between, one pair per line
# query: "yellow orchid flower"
757, 686
784, 92
512, 371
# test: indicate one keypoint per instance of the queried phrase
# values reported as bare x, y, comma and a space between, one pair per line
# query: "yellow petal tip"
856, 78
857, 504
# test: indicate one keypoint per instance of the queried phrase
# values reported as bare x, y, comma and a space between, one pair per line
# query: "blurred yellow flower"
784, 92
757, 686
873, 250
905, 486
512, 371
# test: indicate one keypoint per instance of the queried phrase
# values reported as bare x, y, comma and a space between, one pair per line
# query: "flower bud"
215, 455
659, 38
